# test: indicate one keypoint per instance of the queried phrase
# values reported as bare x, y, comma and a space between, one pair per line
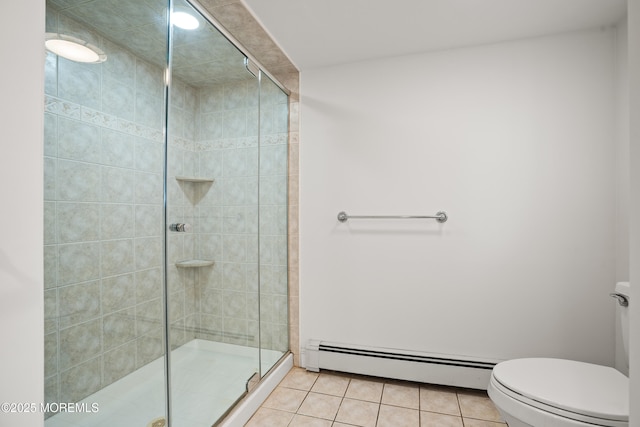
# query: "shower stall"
165, 217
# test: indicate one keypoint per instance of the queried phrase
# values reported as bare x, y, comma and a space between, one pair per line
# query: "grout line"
459, 406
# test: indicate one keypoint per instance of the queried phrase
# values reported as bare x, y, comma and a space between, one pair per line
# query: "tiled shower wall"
103, 217
233, 15
223, 298
182, 160
274, 261
238, 21
103, 214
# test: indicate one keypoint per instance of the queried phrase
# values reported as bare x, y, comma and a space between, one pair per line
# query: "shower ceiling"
201, 57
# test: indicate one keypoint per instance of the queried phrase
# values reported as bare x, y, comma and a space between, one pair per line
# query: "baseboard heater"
458, 371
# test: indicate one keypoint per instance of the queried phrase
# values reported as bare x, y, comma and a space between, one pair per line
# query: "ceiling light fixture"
73, 48
184, 20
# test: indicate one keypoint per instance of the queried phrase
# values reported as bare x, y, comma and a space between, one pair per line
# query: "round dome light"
184, 20
73, 49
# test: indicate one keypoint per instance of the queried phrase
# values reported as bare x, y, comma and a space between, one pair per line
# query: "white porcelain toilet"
541, 392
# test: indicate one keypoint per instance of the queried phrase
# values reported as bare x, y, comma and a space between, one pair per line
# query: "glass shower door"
212, 223
274, 127
104, 151
165, 218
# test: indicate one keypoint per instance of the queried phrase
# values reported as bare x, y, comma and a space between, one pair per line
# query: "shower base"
206, 379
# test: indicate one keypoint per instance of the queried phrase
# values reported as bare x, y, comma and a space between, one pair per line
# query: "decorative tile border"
63, 108
71, 110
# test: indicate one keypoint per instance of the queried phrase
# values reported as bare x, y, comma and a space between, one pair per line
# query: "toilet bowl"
546, 392
555, 392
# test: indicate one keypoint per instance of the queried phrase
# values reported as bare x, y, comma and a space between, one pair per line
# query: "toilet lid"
578, 387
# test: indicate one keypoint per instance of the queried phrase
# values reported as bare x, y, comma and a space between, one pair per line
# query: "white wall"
622, 178
622, 154
634, 258
517, 142
21, 287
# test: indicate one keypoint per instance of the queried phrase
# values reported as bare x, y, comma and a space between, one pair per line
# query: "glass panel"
274, 126
212, 186
104, 156
106, 222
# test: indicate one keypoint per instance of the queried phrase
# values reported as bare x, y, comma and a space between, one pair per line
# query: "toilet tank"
622, 329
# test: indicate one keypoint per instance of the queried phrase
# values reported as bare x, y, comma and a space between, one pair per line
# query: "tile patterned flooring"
331, 399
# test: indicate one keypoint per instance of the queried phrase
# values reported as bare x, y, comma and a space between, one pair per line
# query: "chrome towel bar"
440, 217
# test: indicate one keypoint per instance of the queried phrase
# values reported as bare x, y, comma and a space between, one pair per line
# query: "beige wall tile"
118, 292
293, 189
258, 43
294, 283
51, 307
116, 221
148, 284
50, 354
149, 317
80, 343
79, 84
294, 154
214, 3
117, 148
50, 223
118, 328
149, 347
78, 262
51, 391
290, 79
294, 117
80, 381
294, 227
78, 141
293, 252
118, 362
117, 185
50, 171
78, 303
78, 222
234, 16
148, 252
117, 257
50, 266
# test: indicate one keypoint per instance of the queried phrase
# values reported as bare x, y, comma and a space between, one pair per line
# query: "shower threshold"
206, 379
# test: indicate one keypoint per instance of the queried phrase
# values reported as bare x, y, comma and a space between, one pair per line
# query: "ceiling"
201, 57
318, 33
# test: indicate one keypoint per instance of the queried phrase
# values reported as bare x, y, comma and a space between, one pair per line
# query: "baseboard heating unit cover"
432, 368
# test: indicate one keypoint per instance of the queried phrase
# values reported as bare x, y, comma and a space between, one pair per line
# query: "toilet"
545, 392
